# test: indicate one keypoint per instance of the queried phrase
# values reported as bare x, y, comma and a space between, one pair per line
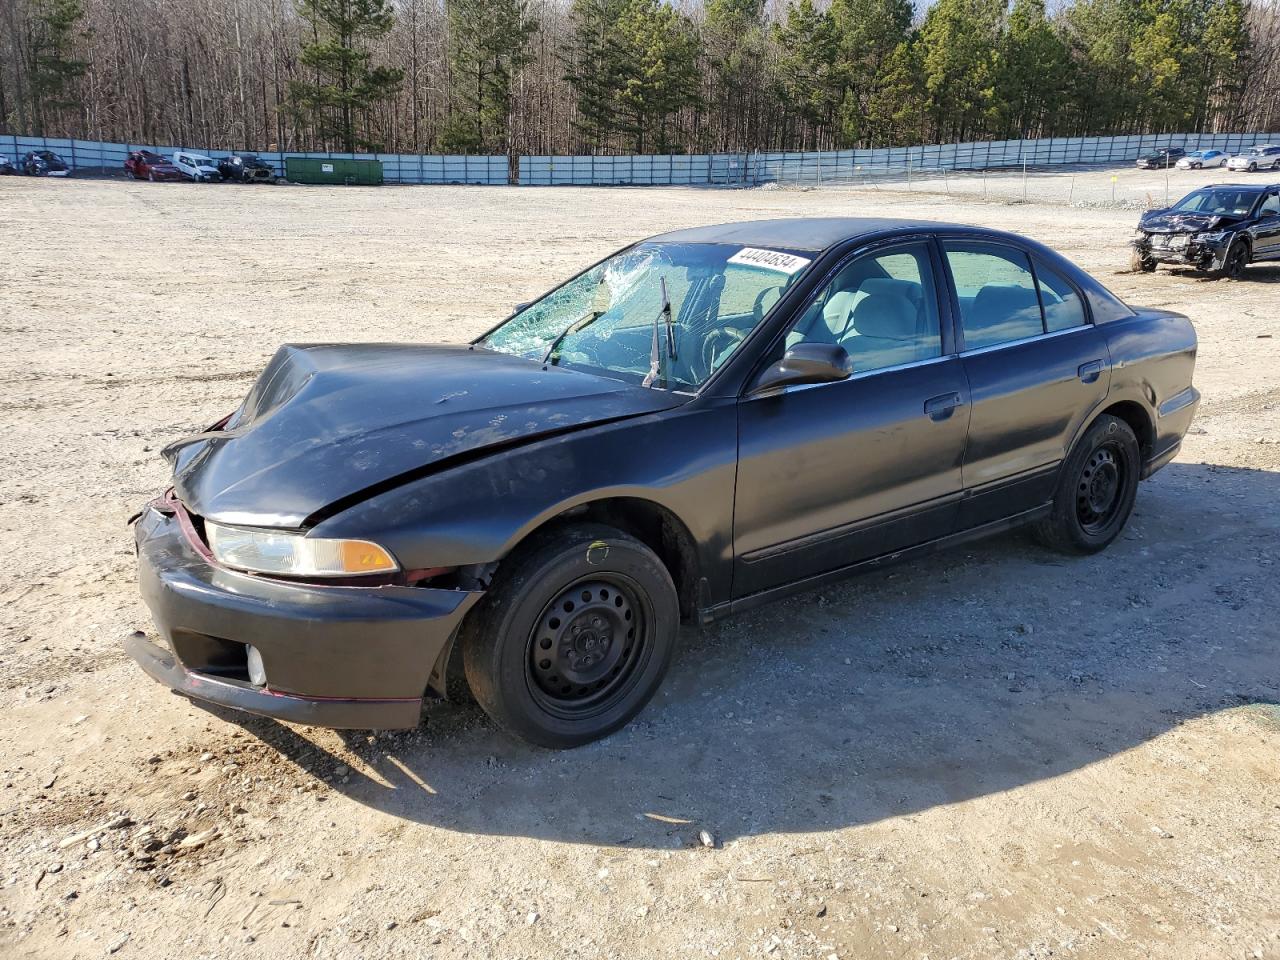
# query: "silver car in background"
1202, 159
1264, 156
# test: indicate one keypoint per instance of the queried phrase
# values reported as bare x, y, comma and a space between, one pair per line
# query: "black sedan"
1222, 229
246, 168
1162, 159
702, 422
43, 163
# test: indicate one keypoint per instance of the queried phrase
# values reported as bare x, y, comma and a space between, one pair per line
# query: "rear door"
1036, 369
830, 474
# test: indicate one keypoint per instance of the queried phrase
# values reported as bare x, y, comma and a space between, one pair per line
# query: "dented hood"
1182, 221
325, 423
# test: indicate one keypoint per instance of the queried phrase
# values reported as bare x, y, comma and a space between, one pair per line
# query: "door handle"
1089, 372
941, 407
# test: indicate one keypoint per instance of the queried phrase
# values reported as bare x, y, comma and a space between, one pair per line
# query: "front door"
830, 474
1266, 232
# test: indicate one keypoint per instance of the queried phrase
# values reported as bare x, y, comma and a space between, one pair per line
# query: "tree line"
582, 76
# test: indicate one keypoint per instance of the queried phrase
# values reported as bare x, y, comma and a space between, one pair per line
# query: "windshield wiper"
655, 353
579, 324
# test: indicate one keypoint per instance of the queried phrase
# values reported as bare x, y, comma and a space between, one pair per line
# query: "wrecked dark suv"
702, 422
1222, 229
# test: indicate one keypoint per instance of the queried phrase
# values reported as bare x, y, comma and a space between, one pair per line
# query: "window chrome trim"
1021, 340
796, 387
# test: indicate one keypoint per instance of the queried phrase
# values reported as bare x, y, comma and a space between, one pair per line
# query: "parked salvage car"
1202, 160
149, 165
699, 423
43, 163
1263, 157
246, 168
1222, 228
196, 167
1161, 159
7, 168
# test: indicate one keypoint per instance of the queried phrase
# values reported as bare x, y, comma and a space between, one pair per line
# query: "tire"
560, 680
1235, 261
1140, 264
1096, 489
151, 176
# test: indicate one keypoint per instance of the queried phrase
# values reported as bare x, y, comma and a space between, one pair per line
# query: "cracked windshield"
703, 299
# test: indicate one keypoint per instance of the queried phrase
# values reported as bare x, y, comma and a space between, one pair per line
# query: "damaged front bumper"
333, 656
1182, 249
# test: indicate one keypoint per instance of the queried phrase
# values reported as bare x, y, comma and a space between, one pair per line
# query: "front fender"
684, 460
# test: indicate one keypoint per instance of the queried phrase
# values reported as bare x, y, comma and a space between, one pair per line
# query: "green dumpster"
318, 170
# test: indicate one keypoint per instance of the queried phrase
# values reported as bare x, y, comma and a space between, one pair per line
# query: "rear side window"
997, 294
1062, 307
1002, 299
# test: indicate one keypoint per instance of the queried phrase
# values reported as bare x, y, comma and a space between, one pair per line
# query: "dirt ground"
998, 752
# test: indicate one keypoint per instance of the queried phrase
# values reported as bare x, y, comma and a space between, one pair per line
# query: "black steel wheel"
1236, 260
1096, 489
1100, 486
574, 636
586, 644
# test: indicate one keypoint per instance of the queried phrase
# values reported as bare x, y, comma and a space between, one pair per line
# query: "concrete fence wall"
719, 169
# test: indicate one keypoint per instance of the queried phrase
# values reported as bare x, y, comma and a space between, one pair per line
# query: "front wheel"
1235, 261
574, 637
1096, 489
1139, 263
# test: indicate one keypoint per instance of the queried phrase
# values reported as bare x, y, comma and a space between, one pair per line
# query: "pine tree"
52, 71
488, 45
1033, 73
344, 85
868, 33
661, 74
595, 66
736, 43
960, 40
808, 74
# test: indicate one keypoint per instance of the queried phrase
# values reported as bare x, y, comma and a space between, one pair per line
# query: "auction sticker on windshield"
769, 260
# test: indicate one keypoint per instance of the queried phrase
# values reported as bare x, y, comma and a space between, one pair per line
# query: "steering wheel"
715, 342
757, 308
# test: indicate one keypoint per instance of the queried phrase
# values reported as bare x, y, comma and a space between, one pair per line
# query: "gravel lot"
995, 753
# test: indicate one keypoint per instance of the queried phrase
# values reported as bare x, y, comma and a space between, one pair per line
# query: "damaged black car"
702, 422
1221, 229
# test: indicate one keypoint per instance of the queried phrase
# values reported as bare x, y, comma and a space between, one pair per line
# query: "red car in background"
145, 165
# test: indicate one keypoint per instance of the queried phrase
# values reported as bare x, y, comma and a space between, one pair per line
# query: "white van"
195, 166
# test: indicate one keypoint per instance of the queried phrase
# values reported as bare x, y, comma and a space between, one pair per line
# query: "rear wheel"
574, 637
1096, 489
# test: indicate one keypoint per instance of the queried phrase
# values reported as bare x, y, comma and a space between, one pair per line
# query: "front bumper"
335, 656
1199, 255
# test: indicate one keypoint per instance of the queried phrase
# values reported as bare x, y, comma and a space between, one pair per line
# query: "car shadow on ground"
976, 671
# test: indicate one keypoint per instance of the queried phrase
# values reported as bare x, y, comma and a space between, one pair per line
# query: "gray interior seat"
886, 331
1001, 312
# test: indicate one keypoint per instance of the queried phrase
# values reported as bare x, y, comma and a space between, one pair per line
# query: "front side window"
881, 307
1270, 206
603, 320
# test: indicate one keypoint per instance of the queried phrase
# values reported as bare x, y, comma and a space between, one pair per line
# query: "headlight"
293, 555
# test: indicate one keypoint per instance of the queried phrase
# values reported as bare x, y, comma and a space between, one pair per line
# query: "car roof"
815, 234
1259, 187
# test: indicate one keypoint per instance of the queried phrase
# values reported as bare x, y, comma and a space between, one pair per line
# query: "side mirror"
805, 363
517, 308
